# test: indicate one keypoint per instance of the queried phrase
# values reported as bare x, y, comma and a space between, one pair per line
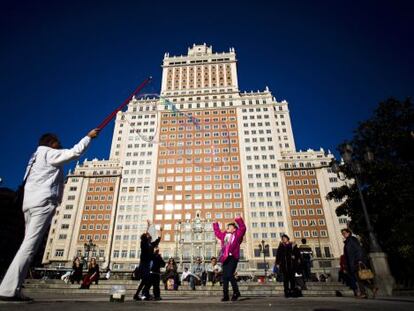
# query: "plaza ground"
83, 302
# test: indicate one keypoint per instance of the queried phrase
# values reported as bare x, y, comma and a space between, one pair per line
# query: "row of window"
189, 206
266, 184
142, 116
260, 175
94, 227
265, 235
304, 212
262, 157
190, 187
130, 198
267, 194
99, 189
138, 180
189, 169
266, 214
95, 237
200, 196
308, 222
139, 189
95, 197
313, 233
98, 217
271, 224
298, 182
188, 216
302, 172
139, 171
303, 191
256, 148
259, 166
262, 204
135, 163
210, 151
301, 202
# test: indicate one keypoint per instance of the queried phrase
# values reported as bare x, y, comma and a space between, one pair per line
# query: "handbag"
19, 196
364, 273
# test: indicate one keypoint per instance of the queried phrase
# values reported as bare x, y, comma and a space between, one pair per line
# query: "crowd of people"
292, 266
42, 191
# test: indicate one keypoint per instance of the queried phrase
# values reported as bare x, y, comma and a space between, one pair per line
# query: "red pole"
113, 113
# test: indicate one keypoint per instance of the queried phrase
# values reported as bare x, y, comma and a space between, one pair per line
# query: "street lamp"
90, 246
355, 167
263, 248
378, 257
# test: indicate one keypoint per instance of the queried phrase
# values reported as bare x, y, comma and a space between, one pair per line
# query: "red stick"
113, 113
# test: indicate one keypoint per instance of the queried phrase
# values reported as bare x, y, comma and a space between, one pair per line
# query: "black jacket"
157, 263
288, 258
147, 251
353, 253
77, 272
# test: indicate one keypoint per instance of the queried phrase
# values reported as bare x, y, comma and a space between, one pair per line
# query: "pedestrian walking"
355, 259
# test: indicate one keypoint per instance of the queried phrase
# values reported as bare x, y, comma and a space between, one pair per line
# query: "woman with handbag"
355, 266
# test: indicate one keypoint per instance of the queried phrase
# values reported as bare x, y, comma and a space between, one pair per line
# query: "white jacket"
44, 185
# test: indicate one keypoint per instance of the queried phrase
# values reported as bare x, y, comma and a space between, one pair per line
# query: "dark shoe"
157, 298
225, 298
235, 296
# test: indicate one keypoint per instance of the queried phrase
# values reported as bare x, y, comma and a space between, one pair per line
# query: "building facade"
204, 151
87, 213
307, 179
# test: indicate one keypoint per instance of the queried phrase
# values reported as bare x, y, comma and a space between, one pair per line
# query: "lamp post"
378, 257
88, 247
263, 248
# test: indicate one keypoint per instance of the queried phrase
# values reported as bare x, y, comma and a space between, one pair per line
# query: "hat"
285, 236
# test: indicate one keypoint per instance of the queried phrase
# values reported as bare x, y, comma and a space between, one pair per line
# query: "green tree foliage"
387, 182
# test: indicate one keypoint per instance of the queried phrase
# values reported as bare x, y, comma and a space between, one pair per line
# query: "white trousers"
37, 220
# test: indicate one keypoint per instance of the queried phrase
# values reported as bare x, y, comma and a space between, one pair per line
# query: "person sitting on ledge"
92, 275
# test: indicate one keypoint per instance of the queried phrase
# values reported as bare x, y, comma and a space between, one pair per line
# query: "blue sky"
64, 65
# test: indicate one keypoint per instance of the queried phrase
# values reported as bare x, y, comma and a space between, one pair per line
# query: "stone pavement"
56, 302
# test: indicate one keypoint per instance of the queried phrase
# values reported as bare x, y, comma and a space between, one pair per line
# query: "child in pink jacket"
230, 254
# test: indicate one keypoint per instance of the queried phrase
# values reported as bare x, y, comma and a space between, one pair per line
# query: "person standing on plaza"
306, 252
230, 240
144, 268
43, 190
155, 274
354, 259
288, 261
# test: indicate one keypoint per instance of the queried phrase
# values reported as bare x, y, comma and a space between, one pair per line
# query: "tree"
387, 183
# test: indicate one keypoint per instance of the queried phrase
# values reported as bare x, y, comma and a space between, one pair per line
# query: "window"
59, 253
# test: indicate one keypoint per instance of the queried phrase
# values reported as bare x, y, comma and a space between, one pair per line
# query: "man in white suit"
43, 189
